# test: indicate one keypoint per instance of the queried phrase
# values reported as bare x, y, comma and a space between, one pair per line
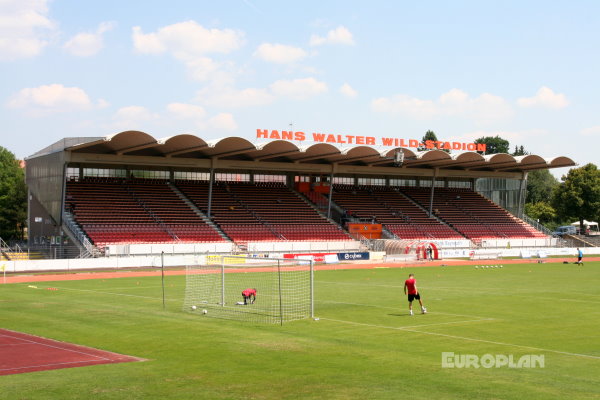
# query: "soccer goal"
284, 288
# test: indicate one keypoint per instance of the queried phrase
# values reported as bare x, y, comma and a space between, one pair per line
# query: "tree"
520, 151
578, 196
430, 135
13, 196
494, 144
540, 185
541, 211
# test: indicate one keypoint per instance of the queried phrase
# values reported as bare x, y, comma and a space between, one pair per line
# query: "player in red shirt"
410, 288
249, 296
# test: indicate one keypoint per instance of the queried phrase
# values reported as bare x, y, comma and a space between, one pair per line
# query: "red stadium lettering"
319, 137
369, 140
274, 135
262, 133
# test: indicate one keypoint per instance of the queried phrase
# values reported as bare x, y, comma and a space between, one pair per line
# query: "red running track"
20, 353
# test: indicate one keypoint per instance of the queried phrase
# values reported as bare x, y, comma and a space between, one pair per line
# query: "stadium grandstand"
103, 194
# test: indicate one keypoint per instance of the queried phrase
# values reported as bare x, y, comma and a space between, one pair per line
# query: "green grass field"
364, 346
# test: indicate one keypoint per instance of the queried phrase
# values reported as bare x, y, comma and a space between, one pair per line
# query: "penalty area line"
411, 329
403, 328
398, 308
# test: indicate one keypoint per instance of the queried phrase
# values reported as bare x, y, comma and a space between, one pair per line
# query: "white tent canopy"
588, 223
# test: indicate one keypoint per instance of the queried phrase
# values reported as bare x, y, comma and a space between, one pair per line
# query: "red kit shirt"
249, 292
410, 285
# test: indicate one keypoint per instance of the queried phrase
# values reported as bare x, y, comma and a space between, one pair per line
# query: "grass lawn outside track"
364, 345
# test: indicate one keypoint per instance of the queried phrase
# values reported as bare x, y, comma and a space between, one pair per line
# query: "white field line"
159, 298
399, 308
409, 329
55, 347
114, 294
528, 292
403, 328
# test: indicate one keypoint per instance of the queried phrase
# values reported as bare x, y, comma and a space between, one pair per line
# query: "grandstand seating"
472, 214
261, 211
117, 210
390, 208
113, 210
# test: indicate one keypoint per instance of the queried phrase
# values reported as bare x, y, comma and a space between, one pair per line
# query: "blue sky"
524, 70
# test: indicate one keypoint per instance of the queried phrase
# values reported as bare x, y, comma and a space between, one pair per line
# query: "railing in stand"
81, 237
536, 225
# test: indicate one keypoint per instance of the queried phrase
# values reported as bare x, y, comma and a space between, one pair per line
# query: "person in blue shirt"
579, 256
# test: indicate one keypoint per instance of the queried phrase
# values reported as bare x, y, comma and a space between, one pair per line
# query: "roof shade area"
189, 146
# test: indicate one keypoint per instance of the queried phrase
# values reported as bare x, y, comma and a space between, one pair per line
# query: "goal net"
284, 288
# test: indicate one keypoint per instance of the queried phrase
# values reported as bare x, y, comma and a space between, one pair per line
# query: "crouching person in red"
249, 296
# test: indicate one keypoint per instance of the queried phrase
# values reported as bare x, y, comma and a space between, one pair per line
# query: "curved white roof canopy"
238, 148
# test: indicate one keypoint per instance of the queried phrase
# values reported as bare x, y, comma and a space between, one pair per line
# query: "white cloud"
339, 35
223, 122
348, 91
224, 96
486, 108
184, 110
48, 99
196, 115
25, 28
134, 117
298, 88
87, 44
187, 40
279, 53
546, 98
405, 104
592, 131
101, 103
189, 43
514, 137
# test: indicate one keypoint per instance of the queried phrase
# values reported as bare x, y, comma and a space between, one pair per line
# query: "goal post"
284, 288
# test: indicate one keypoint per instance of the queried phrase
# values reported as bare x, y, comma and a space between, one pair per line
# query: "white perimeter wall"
183, 259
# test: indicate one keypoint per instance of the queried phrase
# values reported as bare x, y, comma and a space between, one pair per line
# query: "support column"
330, 191
522, 192
435, 172
210, 187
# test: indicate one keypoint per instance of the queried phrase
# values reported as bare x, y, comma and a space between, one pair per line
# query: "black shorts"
412, 297
579, 259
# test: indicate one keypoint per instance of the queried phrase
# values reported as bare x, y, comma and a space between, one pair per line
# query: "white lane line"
55, 347
48, 365
408, 329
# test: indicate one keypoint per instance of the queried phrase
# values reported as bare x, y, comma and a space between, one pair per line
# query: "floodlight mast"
398, 157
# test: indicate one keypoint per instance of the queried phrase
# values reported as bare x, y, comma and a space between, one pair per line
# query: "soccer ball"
204, 311
193, 307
